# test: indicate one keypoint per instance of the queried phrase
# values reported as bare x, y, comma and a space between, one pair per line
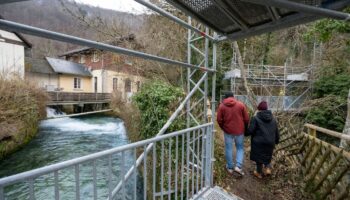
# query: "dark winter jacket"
232, 116
264, 135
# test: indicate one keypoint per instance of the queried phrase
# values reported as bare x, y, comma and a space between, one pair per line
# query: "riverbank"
22, 107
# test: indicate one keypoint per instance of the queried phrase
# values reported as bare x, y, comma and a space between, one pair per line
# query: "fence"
325, 167
178, 166
78, 96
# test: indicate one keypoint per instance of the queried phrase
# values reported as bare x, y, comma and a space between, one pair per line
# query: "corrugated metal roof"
67, 67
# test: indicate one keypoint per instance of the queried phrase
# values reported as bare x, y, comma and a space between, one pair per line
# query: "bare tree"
250, 94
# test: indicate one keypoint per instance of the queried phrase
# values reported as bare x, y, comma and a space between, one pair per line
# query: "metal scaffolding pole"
303, 8
13, 26
213, 107
10, 1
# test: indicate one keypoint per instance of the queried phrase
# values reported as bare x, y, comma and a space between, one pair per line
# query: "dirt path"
282, 184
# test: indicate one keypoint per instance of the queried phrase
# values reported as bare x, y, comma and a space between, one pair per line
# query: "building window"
95, 57
115, 84
138, 85
95, 83
127, 85
77, 83
82, 59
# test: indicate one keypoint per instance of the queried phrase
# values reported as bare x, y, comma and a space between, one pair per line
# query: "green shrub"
156, 102
329, 113
330, 95
332, 85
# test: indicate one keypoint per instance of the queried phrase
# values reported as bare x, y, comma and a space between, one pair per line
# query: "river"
63, 139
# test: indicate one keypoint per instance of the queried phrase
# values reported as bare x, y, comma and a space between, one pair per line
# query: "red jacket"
232, 116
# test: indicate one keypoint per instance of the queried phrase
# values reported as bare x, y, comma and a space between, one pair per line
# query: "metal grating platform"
239, 19
218, 193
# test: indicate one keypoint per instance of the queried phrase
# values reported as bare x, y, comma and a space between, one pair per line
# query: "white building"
13, 48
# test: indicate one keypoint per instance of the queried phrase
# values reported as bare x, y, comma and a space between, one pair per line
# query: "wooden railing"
325, 167
79, 97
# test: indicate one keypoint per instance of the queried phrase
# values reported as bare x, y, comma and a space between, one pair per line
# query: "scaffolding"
284, 88
211, 17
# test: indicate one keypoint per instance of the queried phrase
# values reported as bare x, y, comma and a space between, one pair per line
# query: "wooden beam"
318, 166
328, 132
328, 171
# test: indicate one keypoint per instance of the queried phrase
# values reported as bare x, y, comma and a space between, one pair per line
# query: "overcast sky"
120, 5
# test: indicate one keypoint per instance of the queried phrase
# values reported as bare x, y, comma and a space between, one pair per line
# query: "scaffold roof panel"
243, 18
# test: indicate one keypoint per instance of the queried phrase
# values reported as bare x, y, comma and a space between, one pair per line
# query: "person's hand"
256, 112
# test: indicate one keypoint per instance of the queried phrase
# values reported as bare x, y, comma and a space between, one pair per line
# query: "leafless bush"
129, 113
22, 106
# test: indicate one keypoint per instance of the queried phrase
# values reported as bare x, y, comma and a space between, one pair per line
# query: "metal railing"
78, 96
177, 167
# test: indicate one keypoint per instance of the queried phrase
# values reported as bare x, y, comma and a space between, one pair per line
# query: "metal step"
217, 193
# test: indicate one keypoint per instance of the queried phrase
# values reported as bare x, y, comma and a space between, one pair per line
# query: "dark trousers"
259, 166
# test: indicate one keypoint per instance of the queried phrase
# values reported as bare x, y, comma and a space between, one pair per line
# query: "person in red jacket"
233, 119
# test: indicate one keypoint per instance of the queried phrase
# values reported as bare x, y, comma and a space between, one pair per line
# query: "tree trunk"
250, 95
346, 130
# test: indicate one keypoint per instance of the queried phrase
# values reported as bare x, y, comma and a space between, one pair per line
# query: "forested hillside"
61, 16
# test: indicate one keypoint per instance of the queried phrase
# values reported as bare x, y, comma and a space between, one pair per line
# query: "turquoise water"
64, 139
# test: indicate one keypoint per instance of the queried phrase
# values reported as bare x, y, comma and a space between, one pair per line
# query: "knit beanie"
262, 105
228, 94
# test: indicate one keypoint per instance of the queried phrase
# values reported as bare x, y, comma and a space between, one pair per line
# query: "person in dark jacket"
232, 118
264, 136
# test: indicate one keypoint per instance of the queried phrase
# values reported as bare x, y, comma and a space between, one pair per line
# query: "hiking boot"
267, 171
257, 175
239, 171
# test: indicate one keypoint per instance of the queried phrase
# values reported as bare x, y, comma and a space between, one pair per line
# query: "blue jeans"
239, 143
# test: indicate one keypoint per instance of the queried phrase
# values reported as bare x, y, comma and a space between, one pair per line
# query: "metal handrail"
199, 135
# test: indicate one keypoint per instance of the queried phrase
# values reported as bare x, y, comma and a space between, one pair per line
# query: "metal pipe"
30, 30
172, 17
303, 8
11, 1
189, 56
213, 106
80, 114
